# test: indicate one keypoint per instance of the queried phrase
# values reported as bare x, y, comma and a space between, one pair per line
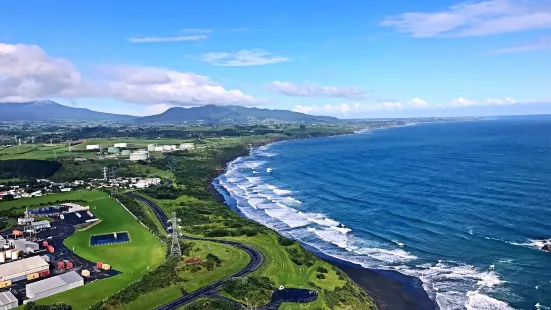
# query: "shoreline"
389, 289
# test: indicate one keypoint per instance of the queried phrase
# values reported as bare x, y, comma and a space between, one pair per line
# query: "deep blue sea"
464, 206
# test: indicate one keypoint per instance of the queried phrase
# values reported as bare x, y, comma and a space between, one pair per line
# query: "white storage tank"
54, 285
185, 146
8, 254
151, 147
139, 155
123, 145
15, 255
92, 147
159, 149
2, 257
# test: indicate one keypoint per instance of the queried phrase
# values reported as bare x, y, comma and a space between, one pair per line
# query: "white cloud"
542, 44
167, 39
314, 90
28, 73
254, 57
359, 109
150, 85
475, 18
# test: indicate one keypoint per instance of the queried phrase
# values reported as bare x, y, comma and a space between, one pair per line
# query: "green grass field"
88, 196
131, 258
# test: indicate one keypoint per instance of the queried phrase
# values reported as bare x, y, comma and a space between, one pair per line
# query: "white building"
139, 155
40, 225
66, 189
158, 149
186, 146
53, 285
19, 270
123, 145
93, 147
8, 301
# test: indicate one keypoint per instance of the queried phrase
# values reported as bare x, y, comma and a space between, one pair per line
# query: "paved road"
257, 259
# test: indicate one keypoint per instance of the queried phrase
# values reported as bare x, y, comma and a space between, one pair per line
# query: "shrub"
322, 270
320, 276
284, 241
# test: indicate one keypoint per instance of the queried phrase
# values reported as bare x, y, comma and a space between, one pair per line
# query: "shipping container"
33, 276
85, 273
106, 266
60, 265
99, 264
44, 273
45, 244
15, 254
68, 265
4, 284
18, 233
51, 249
2, 257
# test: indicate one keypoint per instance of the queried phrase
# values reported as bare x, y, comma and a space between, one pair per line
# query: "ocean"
463, 206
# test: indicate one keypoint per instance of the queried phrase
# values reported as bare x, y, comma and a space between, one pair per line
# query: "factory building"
8, 301
113, 150
185, 146
24, 245
151, 147
24, 220
121, 145
40, 225
158, 149
53, 285
126, 152
93, 147
19, 270
139, 155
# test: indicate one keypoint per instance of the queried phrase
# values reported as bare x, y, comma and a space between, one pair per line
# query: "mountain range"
209, 114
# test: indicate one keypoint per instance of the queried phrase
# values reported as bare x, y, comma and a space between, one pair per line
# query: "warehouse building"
19, 270
53, 285
8, 301
121, 145
139, 155
93, 147
40, 225
24, 245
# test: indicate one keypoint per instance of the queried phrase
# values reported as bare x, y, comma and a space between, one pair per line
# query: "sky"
353, 59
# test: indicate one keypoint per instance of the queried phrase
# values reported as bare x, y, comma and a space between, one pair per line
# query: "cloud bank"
28, 73
475, 18
242, 58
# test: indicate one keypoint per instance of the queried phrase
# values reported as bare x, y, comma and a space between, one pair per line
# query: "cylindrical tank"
15, 255
45, 244
106, 266
85, 273
18, 233
51, 249
60, 265
99, 264
8, 254
126, 152
2, 257
68, 265
61, 216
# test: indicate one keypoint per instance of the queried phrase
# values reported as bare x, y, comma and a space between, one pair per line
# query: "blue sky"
395, 58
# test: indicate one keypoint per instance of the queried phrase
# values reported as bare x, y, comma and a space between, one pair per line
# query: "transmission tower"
105, 173
175, 247
114, 189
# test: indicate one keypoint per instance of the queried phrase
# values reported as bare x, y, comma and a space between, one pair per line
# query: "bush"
284, 241
251, 288
322, 270
213, 258
320, 276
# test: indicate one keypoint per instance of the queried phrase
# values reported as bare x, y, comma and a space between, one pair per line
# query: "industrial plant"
34, 262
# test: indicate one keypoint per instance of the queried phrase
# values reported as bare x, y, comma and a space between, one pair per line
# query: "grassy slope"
131, 258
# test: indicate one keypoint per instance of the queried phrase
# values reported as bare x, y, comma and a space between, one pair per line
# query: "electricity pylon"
175, 247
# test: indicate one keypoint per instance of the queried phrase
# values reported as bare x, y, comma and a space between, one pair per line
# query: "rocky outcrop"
547, 247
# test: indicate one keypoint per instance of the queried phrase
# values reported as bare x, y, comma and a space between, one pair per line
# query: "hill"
213, 114
49, 110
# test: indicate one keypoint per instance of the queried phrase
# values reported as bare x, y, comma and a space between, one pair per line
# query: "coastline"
389, 289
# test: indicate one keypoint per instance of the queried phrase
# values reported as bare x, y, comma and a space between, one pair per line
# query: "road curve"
257, 259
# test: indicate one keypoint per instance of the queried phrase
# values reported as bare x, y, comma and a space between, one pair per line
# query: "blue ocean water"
464, 206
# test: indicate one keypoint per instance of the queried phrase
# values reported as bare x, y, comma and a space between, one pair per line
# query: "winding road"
257, 259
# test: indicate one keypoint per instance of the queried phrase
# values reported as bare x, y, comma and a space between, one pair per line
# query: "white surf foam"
479, 301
